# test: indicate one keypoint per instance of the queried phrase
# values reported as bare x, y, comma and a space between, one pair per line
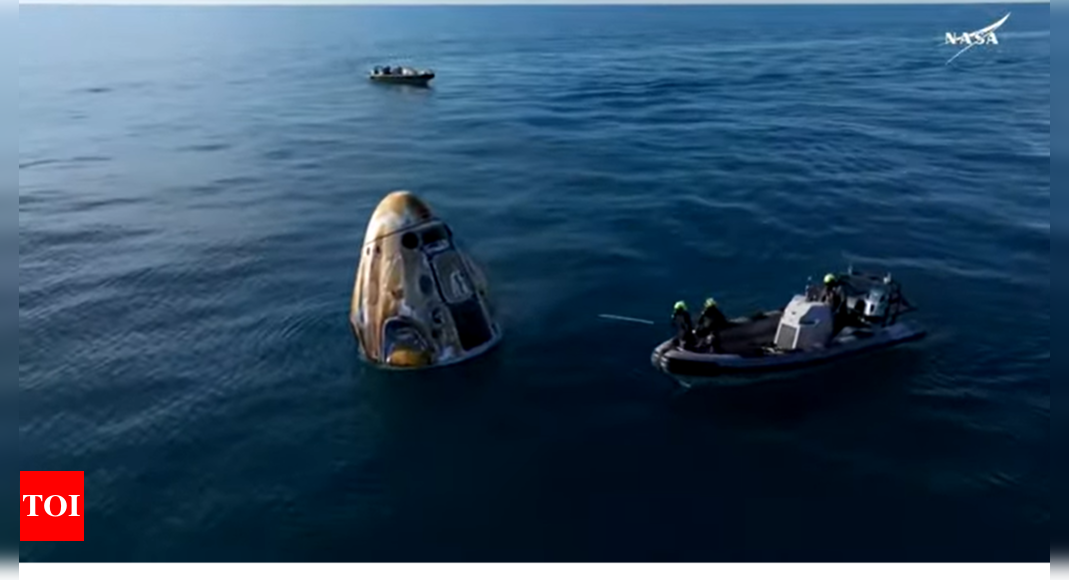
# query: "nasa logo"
52, 504
981, 37
971, 38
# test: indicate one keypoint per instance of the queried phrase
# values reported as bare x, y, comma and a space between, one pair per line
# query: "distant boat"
401, 75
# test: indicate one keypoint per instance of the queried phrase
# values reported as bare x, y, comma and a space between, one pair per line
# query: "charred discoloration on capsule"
418, 300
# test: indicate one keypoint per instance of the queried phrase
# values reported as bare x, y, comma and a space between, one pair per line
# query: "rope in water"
627, 319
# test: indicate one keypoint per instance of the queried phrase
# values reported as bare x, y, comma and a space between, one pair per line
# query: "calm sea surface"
193, 189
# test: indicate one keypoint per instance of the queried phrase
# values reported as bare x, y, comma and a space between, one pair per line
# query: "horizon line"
461, 3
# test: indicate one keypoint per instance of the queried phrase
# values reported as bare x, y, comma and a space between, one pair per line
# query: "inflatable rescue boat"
808, 332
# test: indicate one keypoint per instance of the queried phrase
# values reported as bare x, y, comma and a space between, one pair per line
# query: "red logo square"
53, 506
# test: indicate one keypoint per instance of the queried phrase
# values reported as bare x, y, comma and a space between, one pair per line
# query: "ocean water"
193, 188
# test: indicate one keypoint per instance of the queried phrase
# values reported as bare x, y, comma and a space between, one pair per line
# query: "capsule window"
410, 241
434, 234
426, 285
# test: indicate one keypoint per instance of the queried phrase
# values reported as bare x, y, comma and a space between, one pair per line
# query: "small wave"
1040, 405
88, 237
300, 323
93, 204
279, 155
1025, 34
164, 419
947, 394
771, 77
72, 160
27, 200
238, 182
816, 45
998, 480
205, 148
39, 163
942, 266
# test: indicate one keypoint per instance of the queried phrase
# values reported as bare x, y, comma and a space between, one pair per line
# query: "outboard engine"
806, 324
876, 303
873, 305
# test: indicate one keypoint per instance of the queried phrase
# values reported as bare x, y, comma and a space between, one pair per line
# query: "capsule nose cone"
398, 211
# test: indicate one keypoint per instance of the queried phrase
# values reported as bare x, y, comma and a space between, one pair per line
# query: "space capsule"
419, 301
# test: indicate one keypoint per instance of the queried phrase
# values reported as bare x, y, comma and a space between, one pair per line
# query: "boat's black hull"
690, 365
411, 80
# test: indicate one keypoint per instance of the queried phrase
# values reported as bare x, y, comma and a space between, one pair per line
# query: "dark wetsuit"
832, 295
835, 296
684, 329
710, 324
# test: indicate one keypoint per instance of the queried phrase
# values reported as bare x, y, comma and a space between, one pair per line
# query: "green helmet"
830, 279
680, 306
710, 302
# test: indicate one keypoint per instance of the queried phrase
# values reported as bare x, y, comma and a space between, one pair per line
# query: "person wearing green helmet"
711, 322
831, 294
834, 295
684, 326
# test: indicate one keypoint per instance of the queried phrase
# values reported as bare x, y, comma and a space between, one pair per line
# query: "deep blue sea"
193, 188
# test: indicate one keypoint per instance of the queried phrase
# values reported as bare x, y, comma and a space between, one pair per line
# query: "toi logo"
52, 504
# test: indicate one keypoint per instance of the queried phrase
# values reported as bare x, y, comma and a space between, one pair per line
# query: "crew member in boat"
711, 323
684, 326
832, 293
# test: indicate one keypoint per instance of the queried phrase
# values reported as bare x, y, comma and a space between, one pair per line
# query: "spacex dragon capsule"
419, 301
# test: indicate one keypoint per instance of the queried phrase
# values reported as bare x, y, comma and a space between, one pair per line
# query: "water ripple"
69, 162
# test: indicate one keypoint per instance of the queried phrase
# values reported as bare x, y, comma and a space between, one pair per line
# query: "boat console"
806, 324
